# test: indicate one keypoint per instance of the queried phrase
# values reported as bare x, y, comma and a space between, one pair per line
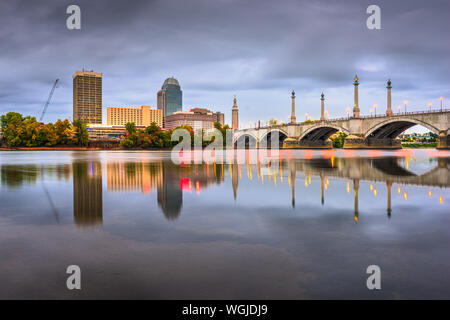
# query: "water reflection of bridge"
387, 169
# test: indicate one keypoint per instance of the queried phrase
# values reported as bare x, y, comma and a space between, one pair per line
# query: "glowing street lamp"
442, 99
371, 111
306, 116
429, 105
375, 108
399, 108
405, 102
348, 112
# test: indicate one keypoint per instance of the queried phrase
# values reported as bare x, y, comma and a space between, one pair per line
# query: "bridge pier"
443, 141
359, 142
291, 143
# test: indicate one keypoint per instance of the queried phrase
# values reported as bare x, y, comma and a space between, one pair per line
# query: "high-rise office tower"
170, 97
87, 96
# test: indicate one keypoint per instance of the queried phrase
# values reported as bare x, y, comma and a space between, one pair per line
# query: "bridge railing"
382, 115
395, 114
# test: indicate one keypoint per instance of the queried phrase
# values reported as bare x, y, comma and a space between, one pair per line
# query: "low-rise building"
197, 118
143, 116
107, 132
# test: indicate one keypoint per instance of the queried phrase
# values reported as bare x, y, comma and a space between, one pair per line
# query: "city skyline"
260, 63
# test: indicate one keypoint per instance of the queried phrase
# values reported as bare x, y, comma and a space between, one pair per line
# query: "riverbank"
416, 145
49, 149
77, 149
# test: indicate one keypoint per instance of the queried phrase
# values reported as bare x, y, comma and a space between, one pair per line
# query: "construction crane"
44, 108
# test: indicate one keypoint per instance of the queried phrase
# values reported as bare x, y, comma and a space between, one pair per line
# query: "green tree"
223, 129
273, 122
133, 139
31, 131
153, 128
130, 127
166, 137
81, 137
11, 125
338, 139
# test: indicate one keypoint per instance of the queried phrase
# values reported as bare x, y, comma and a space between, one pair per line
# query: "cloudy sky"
258, 50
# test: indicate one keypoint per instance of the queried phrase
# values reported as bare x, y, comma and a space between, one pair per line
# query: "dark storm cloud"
259, 50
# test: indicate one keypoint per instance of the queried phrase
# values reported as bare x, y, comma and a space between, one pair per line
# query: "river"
306, 226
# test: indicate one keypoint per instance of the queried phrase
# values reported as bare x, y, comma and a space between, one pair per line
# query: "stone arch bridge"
362, 132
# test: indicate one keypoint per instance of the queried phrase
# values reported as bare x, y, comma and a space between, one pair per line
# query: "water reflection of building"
87, 193
170, 195
168, 179
133, 176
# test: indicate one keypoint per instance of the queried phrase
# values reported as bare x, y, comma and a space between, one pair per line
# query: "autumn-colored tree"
47, 135
64, 131
11, 125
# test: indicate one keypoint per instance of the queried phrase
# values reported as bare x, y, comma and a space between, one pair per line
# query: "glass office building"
170, 97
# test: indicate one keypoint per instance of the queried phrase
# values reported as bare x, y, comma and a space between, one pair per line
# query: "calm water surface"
140, 226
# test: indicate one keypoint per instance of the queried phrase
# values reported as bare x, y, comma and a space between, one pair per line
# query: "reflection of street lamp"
399, 108
375, 108
429, 104
405, 102
442, 99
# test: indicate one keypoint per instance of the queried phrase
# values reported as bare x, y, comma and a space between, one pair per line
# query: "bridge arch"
391, 128
321, 132
266, 139
246, 139
240, 134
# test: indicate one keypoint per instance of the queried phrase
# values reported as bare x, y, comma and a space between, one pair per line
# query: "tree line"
20, 131
26, 131
154, 137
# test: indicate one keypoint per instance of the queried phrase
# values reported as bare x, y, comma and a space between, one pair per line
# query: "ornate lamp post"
356, 103
405, 102
389, 100
429, 105
442, 99
293, 118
